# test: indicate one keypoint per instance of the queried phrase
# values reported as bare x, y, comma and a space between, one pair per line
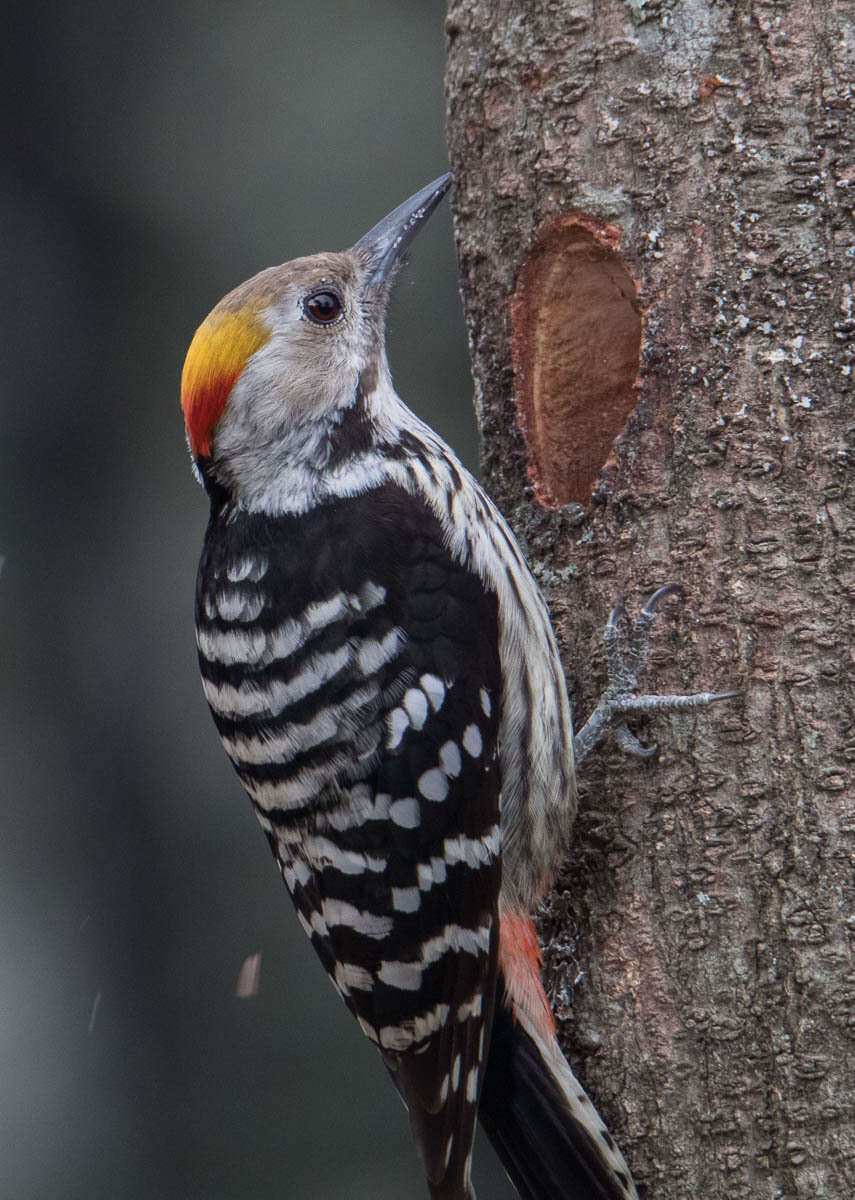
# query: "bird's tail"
550, 1138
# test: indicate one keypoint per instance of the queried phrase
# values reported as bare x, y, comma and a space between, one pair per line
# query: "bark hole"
576, 341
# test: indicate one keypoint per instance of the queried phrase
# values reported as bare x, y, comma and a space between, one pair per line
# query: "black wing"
351, 664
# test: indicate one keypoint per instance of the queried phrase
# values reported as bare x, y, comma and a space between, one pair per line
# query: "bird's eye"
323, 307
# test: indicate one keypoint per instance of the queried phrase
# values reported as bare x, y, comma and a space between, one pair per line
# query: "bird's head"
295, 346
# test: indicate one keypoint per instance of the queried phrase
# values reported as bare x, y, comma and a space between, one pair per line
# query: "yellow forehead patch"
221, 346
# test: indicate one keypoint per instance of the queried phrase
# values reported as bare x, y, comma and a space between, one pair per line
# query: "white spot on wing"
434, 689
323, 612
475, 852
371, 595
251, 700
324, 853
455, 1074
374, 654
472, 1085
472, 1008
395, 1037
285, 639
486, 703
452, 938
293, 792
285, 743
406, 899
294, 873
247, 568
340, 912
433, 785
449, 759
401, 1037
405, 976
398, 722
415, 702
362, 807
405, 813
232, 645
349, 975
234, 604
473, 743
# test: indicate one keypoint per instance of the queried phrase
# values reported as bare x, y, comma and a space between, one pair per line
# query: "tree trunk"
688, 164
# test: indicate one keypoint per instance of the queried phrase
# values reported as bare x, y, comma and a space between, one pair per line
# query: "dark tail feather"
549, 1136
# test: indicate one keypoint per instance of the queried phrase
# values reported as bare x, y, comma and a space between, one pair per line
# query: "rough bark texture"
700, 946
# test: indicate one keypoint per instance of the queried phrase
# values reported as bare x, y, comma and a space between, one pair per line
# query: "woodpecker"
382, 671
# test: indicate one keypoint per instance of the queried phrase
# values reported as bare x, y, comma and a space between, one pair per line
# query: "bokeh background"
154, 155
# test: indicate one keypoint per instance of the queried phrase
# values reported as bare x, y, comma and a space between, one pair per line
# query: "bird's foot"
625, 659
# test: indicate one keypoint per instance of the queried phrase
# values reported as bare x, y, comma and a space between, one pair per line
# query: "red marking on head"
202, 417
520, 962
220, 349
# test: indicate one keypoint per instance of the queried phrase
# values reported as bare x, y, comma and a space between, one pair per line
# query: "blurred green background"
154, 155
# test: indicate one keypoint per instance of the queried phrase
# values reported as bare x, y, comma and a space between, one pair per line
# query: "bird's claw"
630, 744
654, 602
625, 658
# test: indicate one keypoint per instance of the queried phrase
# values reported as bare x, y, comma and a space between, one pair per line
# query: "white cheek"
292, 379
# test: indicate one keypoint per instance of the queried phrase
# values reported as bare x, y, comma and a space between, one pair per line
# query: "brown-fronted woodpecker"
383, 674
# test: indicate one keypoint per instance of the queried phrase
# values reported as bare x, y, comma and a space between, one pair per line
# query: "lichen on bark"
700, 944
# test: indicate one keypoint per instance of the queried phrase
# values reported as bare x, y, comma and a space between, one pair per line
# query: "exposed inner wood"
576, 343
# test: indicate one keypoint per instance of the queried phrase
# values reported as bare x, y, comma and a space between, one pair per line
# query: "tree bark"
692, 164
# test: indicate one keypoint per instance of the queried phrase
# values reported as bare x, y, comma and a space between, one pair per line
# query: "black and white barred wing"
352, 670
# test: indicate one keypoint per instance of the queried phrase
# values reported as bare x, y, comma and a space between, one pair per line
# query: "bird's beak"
383, 246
